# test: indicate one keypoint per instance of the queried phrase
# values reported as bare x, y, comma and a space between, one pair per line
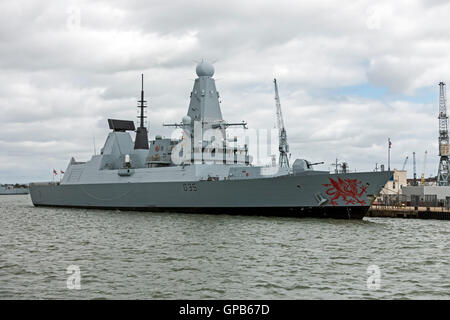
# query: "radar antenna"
283, 146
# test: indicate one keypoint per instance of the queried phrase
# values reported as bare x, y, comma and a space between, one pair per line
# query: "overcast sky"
350, 74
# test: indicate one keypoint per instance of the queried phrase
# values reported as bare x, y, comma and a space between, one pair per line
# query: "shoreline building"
395, 184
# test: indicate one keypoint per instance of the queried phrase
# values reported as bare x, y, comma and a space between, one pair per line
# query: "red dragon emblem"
350, 190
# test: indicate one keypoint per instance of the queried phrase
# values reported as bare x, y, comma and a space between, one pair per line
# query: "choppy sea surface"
144, 255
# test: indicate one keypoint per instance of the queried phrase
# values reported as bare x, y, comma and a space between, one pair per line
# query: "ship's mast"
283, 146
141, 141
142, 103
443, 171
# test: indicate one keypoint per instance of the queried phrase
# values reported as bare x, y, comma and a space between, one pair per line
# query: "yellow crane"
422, 179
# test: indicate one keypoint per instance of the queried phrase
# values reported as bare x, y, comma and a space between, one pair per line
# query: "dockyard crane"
283, 145
404, 163
444, 143
422, 179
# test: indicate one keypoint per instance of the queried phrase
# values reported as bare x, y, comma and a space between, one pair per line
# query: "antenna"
336, 166
141, 141
93, 138
142, 104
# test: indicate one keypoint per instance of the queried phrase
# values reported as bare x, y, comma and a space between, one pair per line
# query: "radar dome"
186, 120
205, 69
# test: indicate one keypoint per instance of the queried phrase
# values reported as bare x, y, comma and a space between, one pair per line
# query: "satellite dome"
186, 120
205, 69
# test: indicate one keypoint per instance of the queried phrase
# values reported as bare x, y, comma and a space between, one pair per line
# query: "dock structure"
437, 213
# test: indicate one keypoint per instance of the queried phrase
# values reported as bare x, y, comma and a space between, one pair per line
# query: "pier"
437, 213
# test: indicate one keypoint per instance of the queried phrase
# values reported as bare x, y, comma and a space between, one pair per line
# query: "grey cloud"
60, 82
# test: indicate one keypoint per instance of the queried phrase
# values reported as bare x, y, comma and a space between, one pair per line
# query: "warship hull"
345, 196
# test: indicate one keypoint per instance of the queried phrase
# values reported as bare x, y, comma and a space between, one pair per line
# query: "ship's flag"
54, 172
62, 172
390, 143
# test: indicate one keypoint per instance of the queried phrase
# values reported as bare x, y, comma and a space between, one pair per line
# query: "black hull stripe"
310, 212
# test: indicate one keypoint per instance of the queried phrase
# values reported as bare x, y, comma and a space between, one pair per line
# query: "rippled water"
141, 255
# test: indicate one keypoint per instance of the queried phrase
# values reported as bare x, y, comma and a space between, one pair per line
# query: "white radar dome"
205, 69
186, 120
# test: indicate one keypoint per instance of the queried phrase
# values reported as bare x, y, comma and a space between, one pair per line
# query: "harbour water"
144, 255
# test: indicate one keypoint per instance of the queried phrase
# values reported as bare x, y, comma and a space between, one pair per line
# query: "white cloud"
65, 67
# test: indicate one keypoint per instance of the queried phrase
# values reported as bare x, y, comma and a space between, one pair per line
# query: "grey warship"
204, 171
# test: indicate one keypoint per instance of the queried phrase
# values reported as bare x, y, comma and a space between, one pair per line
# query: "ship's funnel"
141, 141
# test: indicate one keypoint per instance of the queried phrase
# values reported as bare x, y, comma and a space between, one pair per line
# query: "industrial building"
426, 193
